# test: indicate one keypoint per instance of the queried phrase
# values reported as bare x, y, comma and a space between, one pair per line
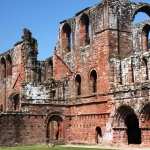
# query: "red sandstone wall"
83, 122
22, 129
86, 117
12, 83
61, 70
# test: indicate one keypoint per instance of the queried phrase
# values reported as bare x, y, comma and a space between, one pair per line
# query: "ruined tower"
30, 56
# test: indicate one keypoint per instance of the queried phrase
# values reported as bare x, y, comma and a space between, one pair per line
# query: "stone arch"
66, 38
78, 84
93, 81
54, 130
141, 8
127, 119
3, 68
8, 65
84, 30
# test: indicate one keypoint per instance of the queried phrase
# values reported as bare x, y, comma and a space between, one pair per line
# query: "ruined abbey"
94, 89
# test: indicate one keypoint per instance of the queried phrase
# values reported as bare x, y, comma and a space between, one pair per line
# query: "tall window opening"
84, 30
93, 78
3, 68
15, 100
9, 65
66, 38
131, 73
145, 37
78, 85
146, 71
120, 73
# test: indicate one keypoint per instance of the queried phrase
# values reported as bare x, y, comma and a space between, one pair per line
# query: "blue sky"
42, 17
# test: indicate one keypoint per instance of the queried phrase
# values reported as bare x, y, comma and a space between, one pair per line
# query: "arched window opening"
15, 100
93, 78
145, 37
98, 135
9, 65
3, 68
84, 30
140, 15
145, 69
66, 38
78, 85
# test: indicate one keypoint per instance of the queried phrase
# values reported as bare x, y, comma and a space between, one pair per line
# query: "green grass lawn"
45, 147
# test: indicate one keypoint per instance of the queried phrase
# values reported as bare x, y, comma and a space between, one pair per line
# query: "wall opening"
146, 111
50, 70
131, 73
84, 29
120, 73
54, 129
9, 65
133, 130
3, 68
141, 14
15, 102
93, 79
125, 114
140, 17
145, 69
78, 85
1, 107
98, 135
145, 37
66, 38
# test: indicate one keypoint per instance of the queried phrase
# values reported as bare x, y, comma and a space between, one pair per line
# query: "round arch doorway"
55, 129
126, 115
133, 130
98, 135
